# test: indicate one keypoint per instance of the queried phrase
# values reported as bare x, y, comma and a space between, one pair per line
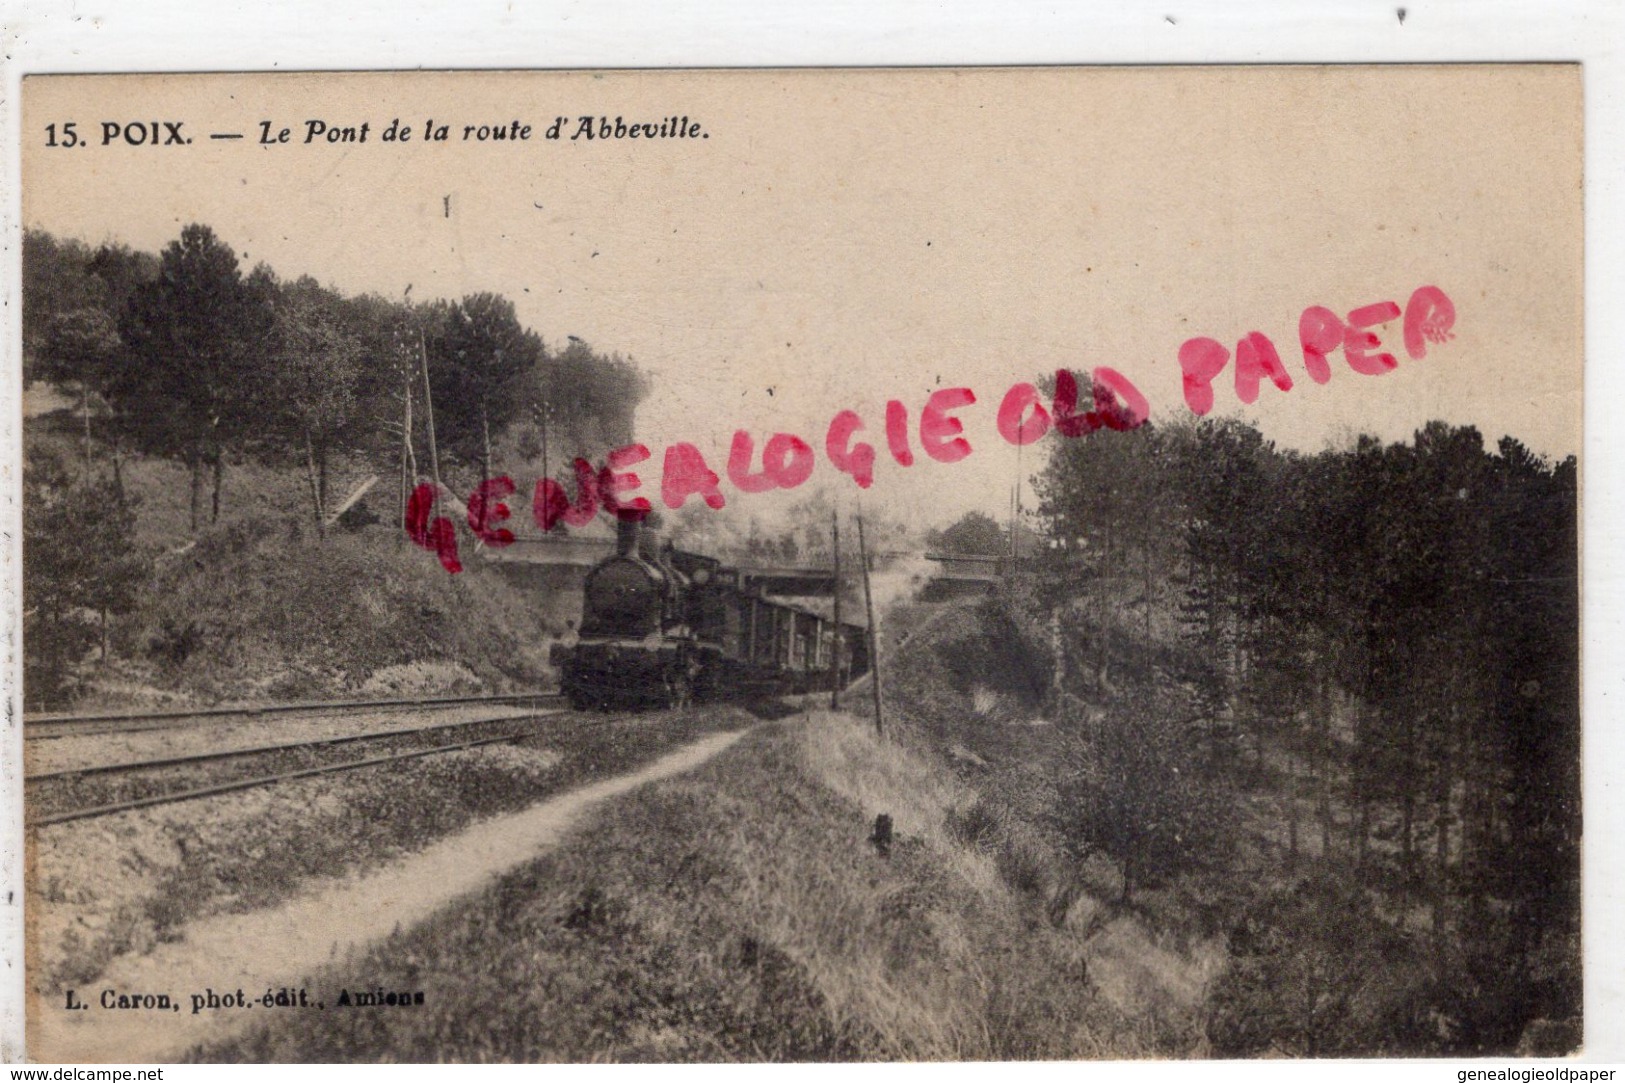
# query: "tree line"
1387, 636
184, 356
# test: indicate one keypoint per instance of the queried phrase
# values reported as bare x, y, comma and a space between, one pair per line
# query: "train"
664, 628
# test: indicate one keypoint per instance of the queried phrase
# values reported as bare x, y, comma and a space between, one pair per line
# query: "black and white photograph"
802, 565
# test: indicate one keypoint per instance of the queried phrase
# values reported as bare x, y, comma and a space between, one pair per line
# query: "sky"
832, 240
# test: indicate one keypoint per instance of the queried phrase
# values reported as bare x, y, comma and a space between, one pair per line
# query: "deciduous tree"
196, 339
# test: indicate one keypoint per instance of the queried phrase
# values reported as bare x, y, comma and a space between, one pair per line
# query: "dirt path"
279, 947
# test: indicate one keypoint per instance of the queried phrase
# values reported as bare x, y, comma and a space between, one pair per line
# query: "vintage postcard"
802, 565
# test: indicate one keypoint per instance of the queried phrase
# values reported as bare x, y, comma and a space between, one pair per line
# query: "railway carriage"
662, 627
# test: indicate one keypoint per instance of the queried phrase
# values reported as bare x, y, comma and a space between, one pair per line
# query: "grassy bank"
256, 612
742, 913
260, 607
253, 849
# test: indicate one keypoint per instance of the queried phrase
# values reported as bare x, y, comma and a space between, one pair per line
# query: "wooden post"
409, 458
1015, 513
874, 634
315, 489
405, 492
428, 412
541, 414
753, 654
835, 654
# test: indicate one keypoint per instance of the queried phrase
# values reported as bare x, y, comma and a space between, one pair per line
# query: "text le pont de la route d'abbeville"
787, 460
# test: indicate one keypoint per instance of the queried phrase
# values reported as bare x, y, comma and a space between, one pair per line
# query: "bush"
80, 567
1129, 788
977, 824
259, 610
1316, 972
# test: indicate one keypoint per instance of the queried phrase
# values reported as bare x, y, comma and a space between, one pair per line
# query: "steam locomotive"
661, 627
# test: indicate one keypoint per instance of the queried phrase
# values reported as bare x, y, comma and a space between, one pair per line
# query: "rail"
260, 750
251, 710
267, 780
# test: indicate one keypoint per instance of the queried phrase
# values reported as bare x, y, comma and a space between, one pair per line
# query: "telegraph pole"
542, 413
835, 655
409, 459
1015, 512
874, 634
428, 406
428, 400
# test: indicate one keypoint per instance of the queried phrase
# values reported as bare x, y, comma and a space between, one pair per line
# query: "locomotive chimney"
626, 536
649, 535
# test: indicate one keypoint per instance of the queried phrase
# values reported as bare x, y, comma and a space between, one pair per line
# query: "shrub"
253, 611
80, 567
1315, 972
1128, 787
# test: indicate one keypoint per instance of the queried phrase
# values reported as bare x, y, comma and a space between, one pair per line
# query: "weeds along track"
51, 726
61, 796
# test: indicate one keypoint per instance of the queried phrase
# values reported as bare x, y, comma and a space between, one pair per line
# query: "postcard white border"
40, 36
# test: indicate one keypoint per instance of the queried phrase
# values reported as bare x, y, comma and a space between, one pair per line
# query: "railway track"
48, 726
149, 792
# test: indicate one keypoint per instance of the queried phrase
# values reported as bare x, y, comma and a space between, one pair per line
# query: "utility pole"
835, 655
1015, 513
874, 634
428, 402
542, 411
428, 408
409, 459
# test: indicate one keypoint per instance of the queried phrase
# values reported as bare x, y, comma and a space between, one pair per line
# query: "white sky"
845, 238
